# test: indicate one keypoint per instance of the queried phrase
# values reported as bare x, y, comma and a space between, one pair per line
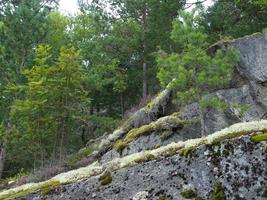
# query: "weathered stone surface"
253, 60
236, 98
239, 165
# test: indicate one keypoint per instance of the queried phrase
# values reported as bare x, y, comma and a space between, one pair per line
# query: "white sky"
68, 6
71, 6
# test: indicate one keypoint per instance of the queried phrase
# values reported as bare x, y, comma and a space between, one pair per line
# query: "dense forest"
65, 80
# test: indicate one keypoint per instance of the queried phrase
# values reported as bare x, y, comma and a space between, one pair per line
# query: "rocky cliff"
166, 152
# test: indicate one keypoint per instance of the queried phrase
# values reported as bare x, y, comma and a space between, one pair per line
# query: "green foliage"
242, 109
19, 175
242, 18
57, 35
212, 102
51, 101
192, 71
187, 31
103, 124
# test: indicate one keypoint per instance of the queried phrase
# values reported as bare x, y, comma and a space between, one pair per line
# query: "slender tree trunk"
62, 142
56, 144
3, 150
2, 159
144, 19
122, 105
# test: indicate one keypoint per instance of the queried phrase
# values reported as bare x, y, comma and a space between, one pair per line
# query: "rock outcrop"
167, 152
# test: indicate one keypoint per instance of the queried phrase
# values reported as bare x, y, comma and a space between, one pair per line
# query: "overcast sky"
68, 6
71, 7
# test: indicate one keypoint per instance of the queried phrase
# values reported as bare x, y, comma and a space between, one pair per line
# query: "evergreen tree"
155, 19
235, 18
191, 70
22, 27
53, 102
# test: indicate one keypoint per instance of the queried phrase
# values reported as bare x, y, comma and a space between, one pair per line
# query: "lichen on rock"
138, 158
162, 125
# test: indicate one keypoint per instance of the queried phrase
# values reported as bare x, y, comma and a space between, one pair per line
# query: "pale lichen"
162, 125
153, 107
137, 158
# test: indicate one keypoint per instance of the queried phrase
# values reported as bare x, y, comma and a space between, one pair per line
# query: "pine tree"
191, 70
52, 103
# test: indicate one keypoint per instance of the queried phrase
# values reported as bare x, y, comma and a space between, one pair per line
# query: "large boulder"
234, 169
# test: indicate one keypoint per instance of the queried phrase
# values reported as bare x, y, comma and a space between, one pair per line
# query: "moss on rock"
134, 159
161, 197
259, 138
186, 151
164, 125
27, 189
105, 178
188, 193
120, 145
165, 135
218, 193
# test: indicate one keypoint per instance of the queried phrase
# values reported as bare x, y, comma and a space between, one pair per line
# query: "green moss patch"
218, 193
165, 135
188, 194
186, 151
105, 178
161, 197
259, 138
163, 125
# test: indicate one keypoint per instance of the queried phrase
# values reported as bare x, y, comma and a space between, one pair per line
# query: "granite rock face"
247, 99
239, 165
248, 87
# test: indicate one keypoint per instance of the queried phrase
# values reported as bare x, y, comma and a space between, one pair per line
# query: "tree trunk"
122, 105
144, 19
2, 159
62, 137
3, 150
